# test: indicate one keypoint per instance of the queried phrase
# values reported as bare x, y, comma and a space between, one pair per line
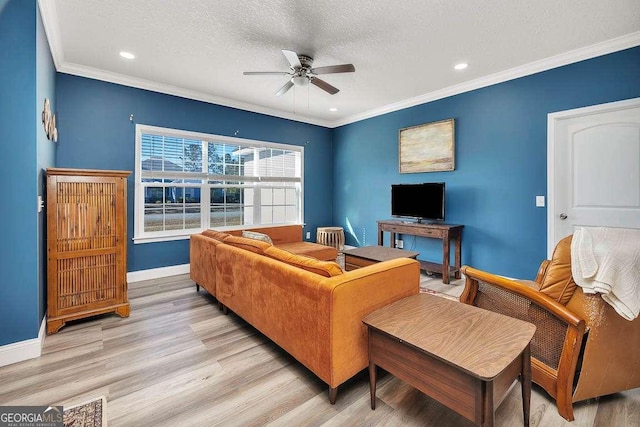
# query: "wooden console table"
445, 232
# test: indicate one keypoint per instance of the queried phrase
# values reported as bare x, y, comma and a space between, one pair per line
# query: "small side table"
331, 236
462, 356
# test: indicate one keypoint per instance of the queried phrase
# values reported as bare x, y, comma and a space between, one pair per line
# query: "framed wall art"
427, 148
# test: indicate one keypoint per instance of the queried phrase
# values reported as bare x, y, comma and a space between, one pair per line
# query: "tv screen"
422, 201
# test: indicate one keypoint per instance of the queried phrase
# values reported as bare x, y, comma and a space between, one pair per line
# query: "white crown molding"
50, 21
107, 76
157, 273
51, 24
599, 49
23, 350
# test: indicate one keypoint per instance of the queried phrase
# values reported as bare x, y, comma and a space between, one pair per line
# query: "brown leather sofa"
310, 308
582, 348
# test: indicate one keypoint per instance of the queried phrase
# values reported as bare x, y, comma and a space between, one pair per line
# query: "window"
187, 182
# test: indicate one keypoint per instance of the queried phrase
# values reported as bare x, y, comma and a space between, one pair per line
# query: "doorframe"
552, 124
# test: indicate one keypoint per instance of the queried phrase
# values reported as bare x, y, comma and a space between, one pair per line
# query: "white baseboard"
156, 273
23, 350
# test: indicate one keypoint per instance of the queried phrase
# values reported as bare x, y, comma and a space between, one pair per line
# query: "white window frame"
140, 236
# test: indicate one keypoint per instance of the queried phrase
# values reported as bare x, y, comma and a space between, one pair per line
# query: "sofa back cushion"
218, 235
323, 268
278, 235
313, 250
255, 246
557, 281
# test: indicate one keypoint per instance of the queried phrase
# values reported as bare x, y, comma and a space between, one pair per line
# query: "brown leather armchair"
582, 348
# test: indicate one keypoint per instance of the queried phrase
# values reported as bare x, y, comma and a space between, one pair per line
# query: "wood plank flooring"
178, 361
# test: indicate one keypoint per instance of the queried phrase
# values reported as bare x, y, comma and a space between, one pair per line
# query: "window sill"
156, 239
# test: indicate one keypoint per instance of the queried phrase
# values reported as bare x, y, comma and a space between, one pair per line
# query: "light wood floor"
178, 361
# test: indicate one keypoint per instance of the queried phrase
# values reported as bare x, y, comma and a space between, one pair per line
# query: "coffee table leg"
372, 384
526, 384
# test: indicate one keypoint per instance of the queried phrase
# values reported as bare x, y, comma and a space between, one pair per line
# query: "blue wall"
45, 88
501, 155
95, 133
21, 283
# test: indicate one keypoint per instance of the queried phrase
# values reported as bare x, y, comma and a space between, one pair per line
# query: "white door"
593, 168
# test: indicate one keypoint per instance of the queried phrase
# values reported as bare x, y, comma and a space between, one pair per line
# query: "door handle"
563, 216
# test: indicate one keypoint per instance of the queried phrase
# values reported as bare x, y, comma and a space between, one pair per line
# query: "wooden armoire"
86, 244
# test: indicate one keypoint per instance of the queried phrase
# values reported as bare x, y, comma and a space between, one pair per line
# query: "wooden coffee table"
462, 356
367, 255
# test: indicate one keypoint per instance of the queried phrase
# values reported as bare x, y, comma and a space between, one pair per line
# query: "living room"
500, 159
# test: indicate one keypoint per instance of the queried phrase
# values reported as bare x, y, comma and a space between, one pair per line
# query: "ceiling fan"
302, 74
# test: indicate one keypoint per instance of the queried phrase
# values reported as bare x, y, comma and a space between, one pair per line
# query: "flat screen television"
420, 201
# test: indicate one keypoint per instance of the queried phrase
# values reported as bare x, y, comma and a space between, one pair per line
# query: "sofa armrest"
202, 260
355, 294
555, 346
609, 365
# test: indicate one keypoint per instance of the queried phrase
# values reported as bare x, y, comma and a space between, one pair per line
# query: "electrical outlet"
540, 201
399, 244
308, 235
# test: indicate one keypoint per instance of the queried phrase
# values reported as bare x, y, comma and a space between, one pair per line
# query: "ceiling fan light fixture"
301, 74
300, 80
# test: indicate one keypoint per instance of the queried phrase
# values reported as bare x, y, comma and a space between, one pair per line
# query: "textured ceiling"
403, 51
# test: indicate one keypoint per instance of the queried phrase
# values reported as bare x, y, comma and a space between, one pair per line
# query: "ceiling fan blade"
266, 73
331, 69
324, 86
292, 57
284, 88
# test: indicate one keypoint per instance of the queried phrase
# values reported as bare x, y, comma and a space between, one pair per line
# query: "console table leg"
372, 384
458, 255
446, 251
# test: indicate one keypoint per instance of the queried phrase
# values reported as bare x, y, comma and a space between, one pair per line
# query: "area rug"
440, 294
89, 414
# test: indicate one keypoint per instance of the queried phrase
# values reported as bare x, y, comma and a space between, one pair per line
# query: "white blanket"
607, 260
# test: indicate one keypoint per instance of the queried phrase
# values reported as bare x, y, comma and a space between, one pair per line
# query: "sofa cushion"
309, 249
557, 281
278, 234
218, 235
257, 236
255, 246
324, 268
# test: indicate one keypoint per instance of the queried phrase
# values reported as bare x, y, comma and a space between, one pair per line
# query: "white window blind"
187, 182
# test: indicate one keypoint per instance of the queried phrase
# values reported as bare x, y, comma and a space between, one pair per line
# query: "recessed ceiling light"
461, 66
333, 109
127, 55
